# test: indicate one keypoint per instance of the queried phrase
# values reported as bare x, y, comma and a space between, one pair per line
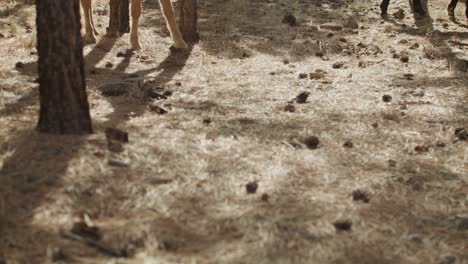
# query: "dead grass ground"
182, 199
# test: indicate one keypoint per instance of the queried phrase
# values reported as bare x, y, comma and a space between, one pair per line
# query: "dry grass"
182, 199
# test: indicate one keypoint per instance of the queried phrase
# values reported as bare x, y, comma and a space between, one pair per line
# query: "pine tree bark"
119, 18
64, 106
188, 22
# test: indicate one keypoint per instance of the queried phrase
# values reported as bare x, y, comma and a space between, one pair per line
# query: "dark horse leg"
451, 7
418, 7
384, 7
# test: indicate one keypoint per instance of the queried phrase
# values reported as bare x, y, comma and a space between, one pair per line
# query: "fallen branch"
100, 246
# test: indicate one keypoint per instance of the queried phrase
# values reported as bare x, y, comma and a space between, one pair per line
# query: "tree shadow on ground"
440, 42
234, 28
30, 177
33, 173
123, 107
291, 227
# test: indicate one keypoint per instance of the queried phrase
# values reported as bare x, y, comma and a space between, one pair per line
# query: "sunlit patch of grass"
360, 5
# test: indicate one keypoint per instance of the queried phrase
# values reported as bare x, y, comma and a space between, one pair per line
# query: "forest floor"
387, 182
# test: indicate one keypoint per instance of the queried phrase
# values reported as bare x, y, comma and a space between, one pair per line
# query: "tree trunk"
64, 106
189, 20
119, 18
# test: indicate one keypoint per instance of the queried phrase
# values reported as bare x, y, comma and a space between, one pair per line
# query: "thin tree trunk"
64, 106
119, 18
188, 22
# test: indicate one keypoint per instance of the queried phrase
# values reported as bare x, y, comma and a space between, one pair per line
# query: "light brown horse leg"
90, 35
168, 11
136, 13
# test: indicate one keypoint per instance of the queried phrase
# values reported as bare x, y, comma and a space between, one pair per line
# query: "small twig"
103, 248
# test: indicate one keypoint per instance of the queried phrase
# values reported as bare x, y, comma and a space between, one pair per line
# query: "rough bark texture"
119, 18
64, 106
189, 20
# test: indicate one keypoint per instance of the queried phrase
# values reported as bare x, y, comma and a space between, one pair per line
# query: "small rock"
343, 225
386, 98
312, 28
400, 14
99, 154
392, 163
447, 260
55, 254
332, 26
359, 195
178, 84
153, 94
290, 20
117, 163
19, 65
403, 41
286, 61
461, 133
414, 46
338, 65
348, 144
120, 54
404, 58
206, 121
82, 229
351, 23
116, 134
417, 93
421, 149
441, 144
319, 54
460, 222
114, 146
168, 245
375, 125
212, 135
114, 89
316, 75
290, 108
408, 76
109, 64
312, 142
302, 75
131, 76
265, 197
251, 187
155, 108
302, 97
